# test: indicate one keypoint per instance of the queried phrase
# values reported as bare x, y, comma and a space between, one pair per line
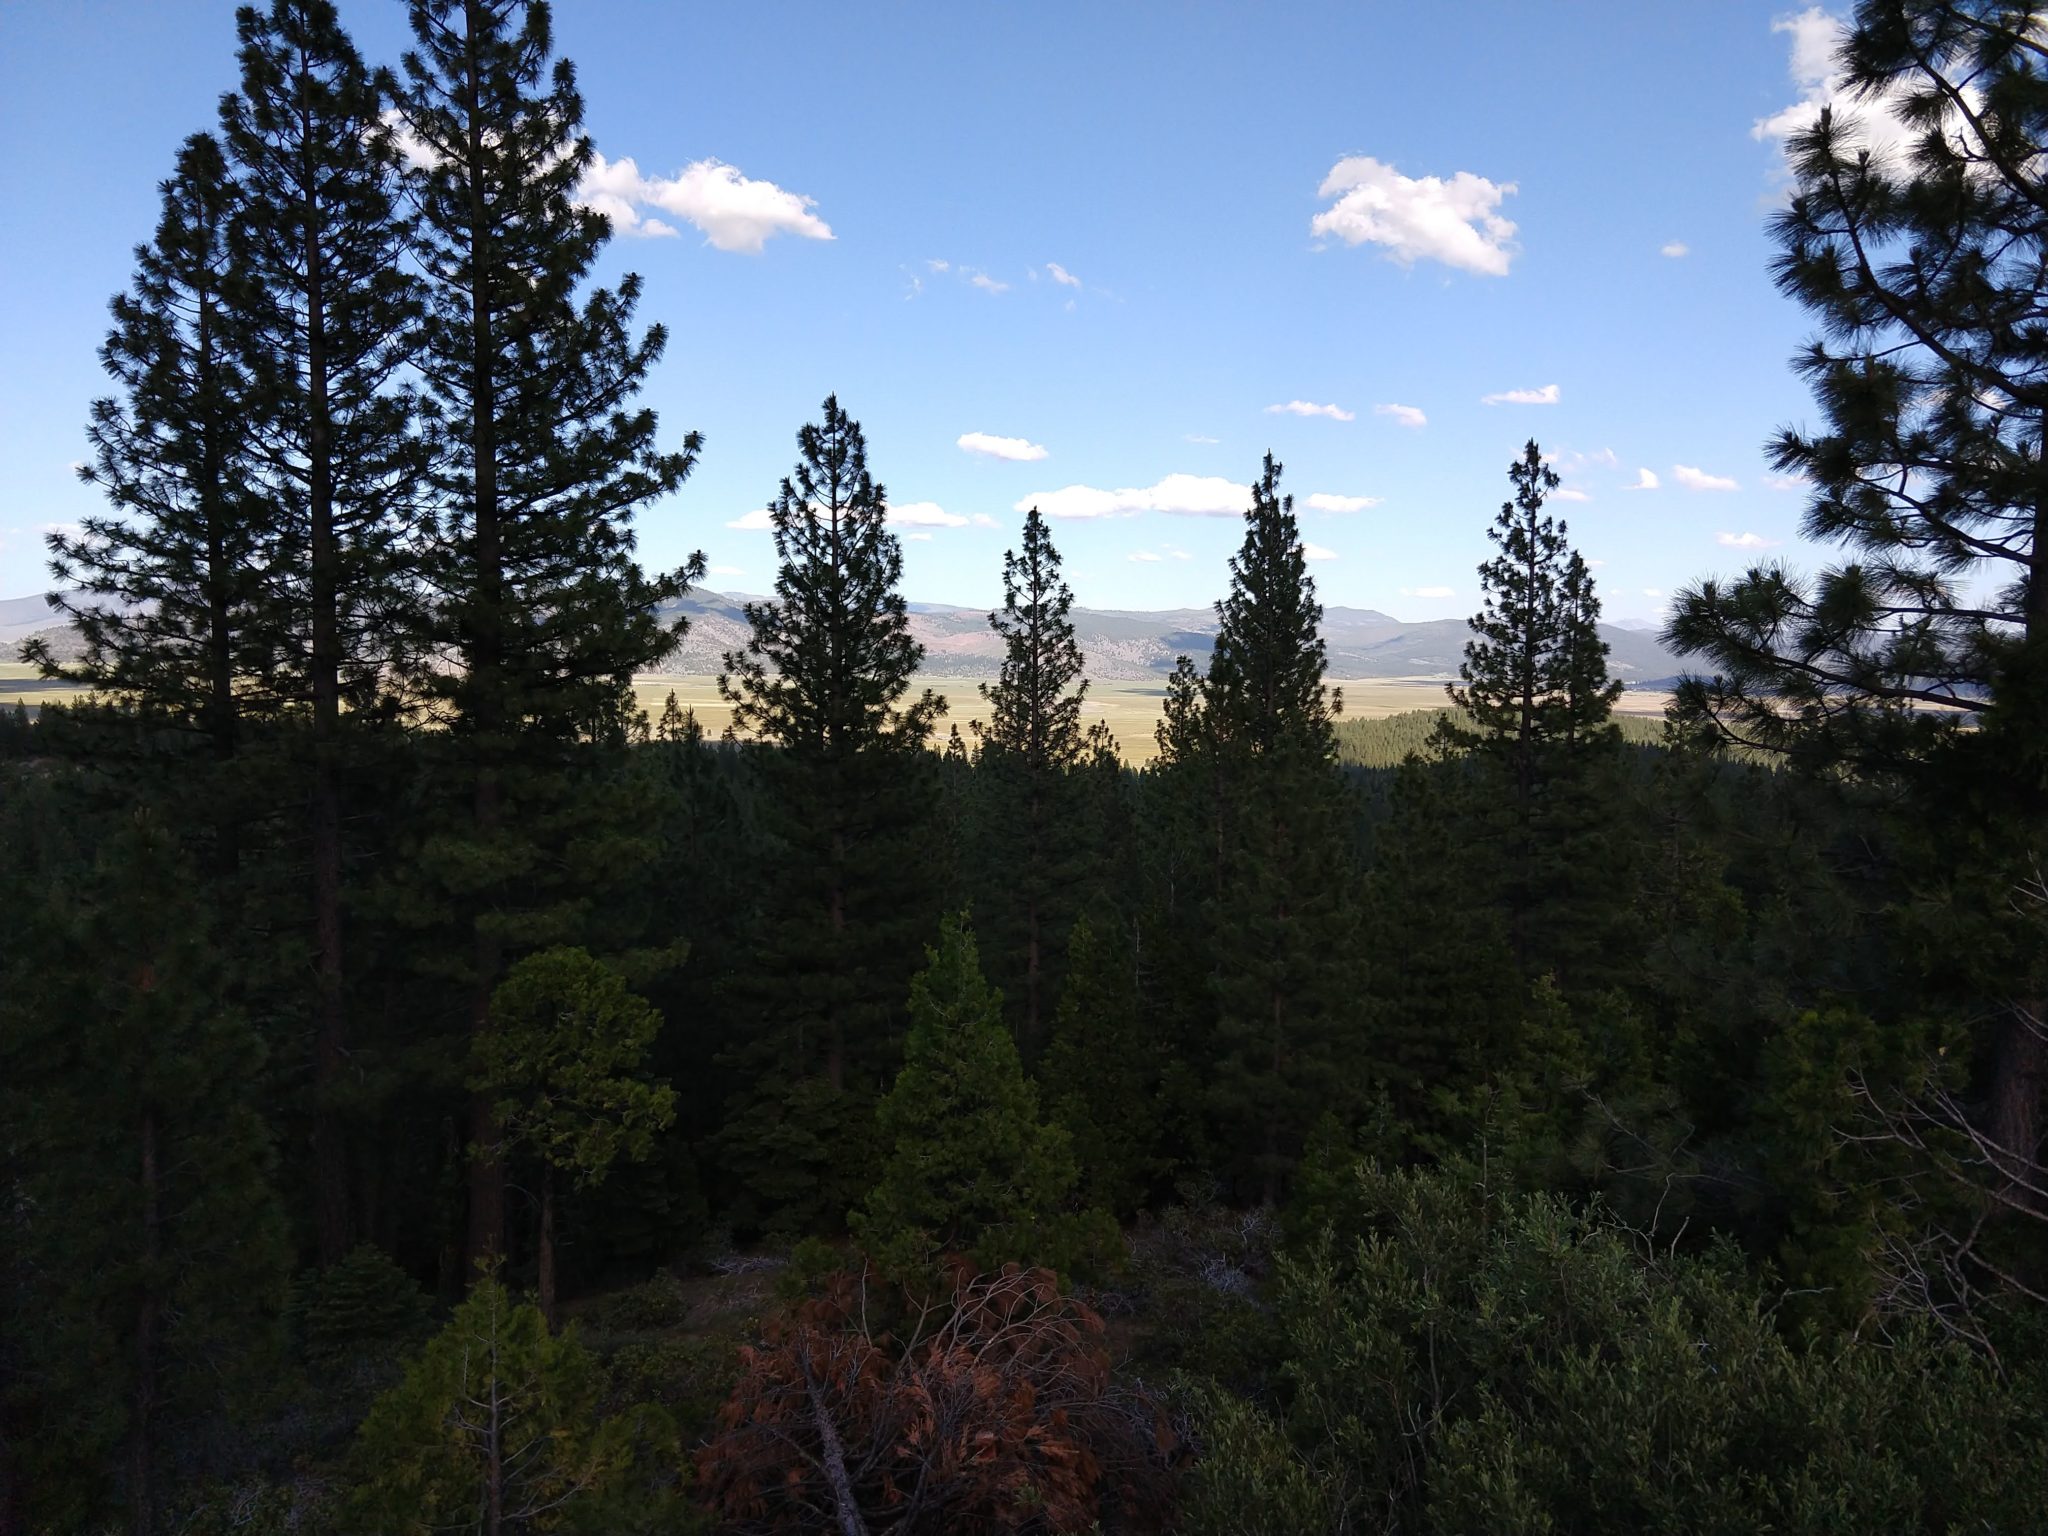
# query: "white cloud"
1180, 554
1653, 592
754, 521
983, 520
732, 211
1323, 501
986, 283
1596, 564
1144, 555
925, 514
1317, 552
1694, 478
1604, 457
1061, 275
1569, 493
1427, 592
1408, 415
1674, 249
1196, 437
1816, 36
1020, 450
1745, 541
1310, 408
1418, 218
938, 265
1786, 482
727, 570
1178, 495
1646, 480
1547, 395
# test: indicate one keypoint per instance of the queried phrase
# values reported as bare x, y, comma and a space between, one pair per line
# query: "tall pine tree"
540, 459
1923, 267
1285, 926
167, 591
825, 685
327, 317
1034, 848
1536, 702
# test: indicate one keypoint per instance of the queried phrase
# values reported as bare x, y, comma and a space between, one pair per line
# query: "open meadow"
1132, 708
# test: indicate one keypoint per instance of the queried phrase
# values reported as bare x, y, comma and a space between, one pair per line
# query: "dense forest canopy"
437, 1096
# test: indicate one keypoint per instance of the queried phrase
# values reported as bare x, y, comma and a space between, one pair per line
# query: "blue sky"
1117, 234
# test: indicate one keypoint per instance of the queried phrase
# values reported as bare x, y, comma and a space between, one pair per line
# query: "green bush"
1462, 1362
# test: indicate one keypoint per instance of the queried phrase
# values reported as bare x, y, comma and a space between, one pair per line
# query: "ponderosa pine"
167, 590
327, 321
824, 684
1285, 923
540, 459
1031, 748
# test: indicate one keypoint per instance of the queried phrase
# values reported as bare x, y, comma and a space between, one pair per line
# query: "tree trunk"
142, 1408
547, 1243
832, 1455
330, 1034
485, 644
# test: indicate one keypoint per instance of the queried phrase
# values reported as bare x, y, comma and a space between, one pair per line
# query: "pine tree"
1285, 922
1101, 1073
501, 1426
153, 1242
1923, 269
1031, 748
825, 685
167, 590
566, 1063
968, 1164
540, 460
326, 320
1537, 697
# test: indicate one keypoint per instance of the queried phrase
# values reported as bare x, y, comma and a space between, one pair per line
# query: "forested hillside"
437, 1096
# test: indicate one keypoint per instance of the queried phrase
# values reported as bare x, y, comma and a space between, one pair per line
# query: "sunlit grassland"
1131, 708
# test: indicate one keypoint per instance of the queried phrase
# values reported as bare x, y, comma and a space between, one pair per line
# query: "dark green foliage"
325, 321
496, 1427
1541, 798
848, 793
364, 1305
1101, 1074
1285, 917
539, 460
166, 589
1922, 270
1034, 849
147, 1240
1462, 1361
967, 1163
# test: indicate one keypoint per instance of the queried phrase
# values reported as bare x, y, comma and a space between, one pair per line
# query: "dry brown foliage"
989, 1409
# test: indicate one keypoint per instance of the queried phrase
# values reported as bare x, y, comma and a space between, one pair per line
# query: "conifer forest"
437, 1095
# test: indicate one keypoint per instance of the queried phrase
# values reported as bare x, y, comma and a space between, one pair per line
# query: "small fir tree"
968, 1164
500, 1426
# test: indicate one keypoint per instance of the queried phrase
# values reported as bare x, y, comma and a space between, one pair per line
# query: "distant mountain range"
1120, 644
